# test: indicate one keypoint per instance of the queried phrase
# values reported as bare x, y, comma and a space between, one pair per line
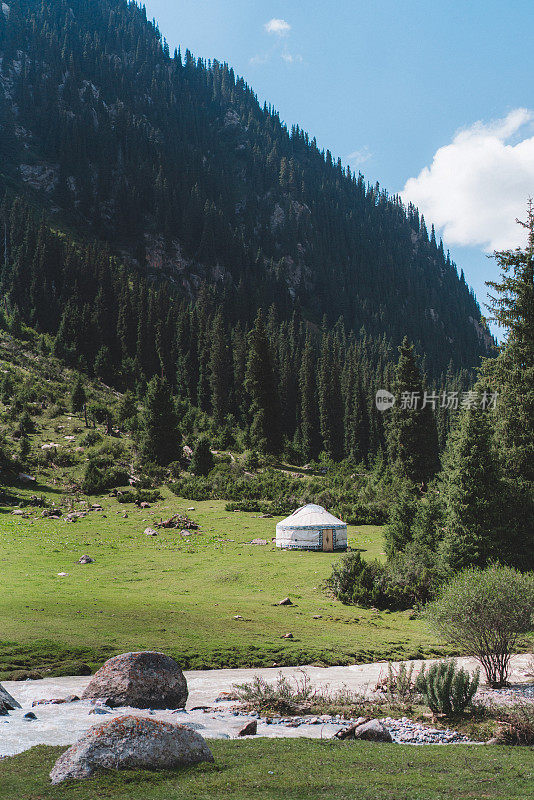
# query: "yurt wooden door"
328, 540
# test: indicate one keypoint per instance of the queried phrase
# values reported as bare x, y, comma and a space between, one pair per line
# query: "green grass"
295, 769
167, 593
181, 595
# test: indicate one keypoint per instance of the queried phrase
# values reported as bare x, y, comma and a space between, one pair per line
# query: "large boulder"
130, 742
139, 680
7, 703
373, 731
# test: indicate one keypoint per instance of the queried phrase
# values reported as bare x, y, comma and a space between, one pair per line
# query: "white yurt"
312, 528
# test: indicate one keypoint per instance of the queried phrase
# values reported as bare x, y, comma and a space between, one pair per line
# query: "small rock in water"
7, 702
226, 697
250, 729
29, 716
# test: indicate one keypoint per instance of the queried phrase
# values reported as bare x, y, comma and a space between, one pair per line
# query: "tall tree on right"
412, 433
511, 374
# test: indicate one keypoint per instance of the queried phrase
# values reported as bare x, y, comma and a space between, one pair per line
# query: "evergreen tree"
260, 383
220, 364
78, 398
474, 494
511, 375
413, 438
160, 441
330, 399
202, 461
309, 419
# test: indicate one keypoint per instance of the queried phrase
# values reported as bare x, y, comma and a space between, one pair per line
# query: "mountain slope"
176, 166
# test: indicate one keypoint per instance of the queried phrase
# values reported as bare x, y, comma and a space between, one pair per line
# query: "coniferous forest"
158, 221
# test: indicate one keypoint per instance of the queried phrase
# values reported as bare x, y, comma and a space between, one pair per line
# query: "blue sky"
428, 98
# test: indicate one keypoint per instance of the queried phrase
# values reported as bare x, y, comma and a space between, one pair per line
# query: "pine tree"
160, 443
474, 495
413, 438
260, 384
78, 398
330, 398
511, 375
220, 365
309, 418
202, 461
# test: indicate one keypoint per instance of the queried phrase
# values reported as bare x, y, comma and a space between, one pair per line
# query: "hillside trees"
160, 438
176, 166
413, 439
261, 385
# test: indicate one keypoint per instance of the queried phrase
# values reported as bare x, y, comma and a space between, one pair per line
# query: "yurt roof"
311, 516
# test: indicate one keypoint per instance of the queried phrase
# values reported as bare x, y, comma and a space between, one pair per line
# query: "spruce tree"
78, 398
474, 495
511, 374
413, 438
161, 441
330, 398
260, 383
220, 365
309, 418
202, 461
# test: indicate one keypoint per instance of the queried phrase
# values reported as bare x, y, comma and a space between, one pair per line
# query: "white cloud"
359, 156
289, 58
259, 59
277, 26
478, 184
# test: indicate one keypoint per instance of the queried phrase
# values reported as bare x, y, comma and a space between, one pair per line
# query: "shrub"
415, 573
400, 684
192, 488
244, 505
355, 581
518, 724
445, 688
100, 476
252, 461
371, 583
139, 496
26, 424
484, 613
91, 438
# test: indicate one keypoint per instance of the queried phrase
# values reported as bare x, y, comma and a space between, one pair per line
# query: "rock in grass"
150, 532
285, 602
250, 729
7, 702
130, 742
373, 731
85, 560
139, 680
